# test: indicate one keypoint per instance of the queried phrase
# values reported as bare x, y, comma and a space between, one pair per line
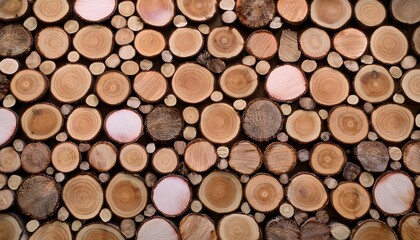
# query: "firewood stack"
209, 119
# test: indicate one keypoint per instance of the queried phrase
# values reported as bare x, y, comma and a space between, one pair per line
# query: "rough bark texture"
288, 48
38, 196
262, 120
164, 123
313, 229
36, 157
373, 155
351, 171
282, 229
4, 86
15, 40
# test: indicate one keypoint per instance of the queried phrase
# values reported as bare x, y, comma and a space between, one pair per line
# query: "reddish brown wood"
200, 155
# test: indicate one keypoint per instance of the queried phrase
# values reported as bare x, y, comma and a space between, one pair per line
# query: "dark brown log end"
373, 155
164, 123
282, 229
262, 120
38, 196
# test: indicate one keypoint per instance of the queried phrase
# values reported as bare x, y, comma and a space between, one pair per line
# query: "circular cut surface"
52, 42
10, 160
394, 193
36, 157
133, 157
388, 45
373, 155
315, 43
262, 44
124, 125
373, 83
220, 123
373, 230
280, 158
411, 156
41, 121
156, 13
294, 11
200, 155
164, 123
94, 11
185, 42
307, 193
84, 123
303, 126
348, 124
327, 159
149, 43
165, 160
51, 10
102, 156
239, 81
392, 122
192, 83
99, 231
52, 230
150, 86
225, 42
197, 226
113, 87
262, 119
406, 11
15, 40
197, 10
410, 226
94, 42
238, 227
350, 42
370, 12
328, 86
282, 229
416, 40
411, 84
245, 157
220, 192
264, 193
172, 195
126, 195
158, 228
255, 14
350, 200
9, 121
10, 228
83, 197
331, 14
70, 83
65, 157
13, 9
28, 85
38, 196
285, 83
